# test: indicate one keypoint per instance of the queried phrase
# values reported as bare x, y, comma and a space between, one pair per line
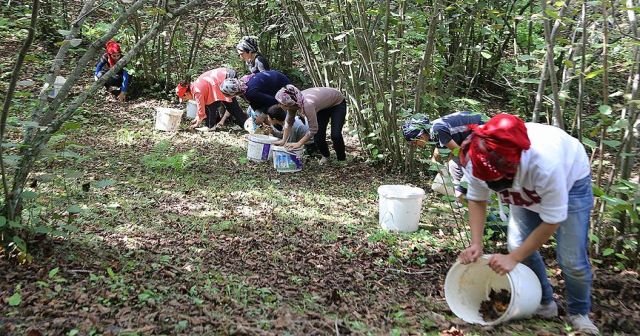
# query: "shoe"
583, 324
323, 161
204, 129
547, 311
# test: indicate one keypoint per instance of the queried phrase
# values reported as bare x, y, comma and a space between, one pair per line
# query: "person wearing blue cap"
449, 132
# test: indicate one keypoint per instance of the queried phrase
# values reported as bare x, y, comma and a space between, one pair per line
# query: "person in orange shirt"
206, 92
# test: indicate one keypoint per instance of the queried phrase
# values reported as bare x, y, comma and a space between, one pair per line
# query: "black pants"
337, 115
213, 114
114, 81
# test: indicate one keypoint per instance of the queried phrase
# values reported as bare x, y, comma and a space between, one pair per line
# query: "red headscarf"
495, 147
181, 90
112, 48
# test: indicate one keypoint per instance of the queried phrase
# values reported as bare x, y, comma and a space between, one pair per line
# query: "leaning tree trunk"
50, 120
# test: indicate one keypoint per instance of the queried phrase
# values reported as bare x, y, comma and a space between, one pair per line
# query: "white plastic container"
259, 148
192, 109
249, 126
400, 207
442, 183
287, 161
168, 119
57, 85
466, 286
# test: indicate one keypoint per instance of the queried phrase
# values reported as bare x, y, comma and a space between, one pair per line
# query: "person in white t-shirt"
544, 175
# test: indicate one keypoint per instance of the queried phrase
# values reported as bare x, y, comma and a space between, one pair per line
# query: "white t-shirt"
547, 171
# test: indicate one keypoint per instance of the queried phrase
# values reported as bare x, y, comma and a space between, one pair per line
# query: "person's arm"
98, 71
201, 115
276, 133
261, 63
124, 87
477, 215
287, 128
224, 118
300, 143
504, 263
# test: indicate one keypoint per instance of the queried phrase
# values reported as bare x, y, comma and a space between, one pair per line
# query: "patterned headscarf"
495, 147
248, 44
415, 126
233, 86
112, 48
290, 96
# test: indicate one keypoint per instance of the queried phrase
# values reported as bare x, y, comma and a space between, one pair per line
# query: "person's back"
454, 126
207, 87
262, 88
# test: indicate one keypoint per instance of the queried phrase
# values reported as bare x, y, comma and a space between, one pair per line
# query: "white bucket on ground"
443, 184
259, 148
168, 119
192, 109
466, 286
400, 207
287, 161
57, 85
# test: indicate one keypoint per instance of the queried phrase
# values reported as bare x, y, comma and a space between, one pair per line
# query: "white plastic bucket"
168, 119
192, 109
400, 207
249, 126
57, 85
287, 161
259, 148
466, 286
442, 183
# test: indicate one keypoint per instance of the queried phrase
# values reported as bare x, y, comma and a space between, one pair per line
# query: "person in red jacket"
206, 92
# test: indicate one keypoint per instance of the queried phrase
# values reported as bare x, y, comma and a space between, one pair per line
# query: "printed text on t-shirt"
524, 198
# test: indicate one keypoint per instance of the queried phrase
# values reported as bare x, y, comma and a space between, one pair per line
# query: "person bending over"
206, 92
319, 106
544, 175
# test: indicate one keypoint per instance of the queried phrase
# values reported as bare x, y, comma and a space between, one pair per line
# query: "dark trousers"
337, 115
213, 114
113, 81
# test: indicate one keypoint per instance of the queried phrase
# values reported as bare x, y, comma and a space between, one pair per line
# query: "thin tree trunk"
557, 118
545, 72
425, 62
9, 211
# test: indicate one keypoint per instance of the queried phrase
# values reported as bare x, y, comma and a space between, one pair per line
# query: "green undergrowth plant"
161, 159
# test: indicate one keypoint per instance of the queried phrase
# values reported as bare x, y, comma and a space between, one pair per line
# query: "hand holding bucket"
467, 286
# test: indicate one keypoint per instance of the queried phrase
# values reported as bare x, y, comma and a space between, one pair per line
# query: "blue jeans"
571, 247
